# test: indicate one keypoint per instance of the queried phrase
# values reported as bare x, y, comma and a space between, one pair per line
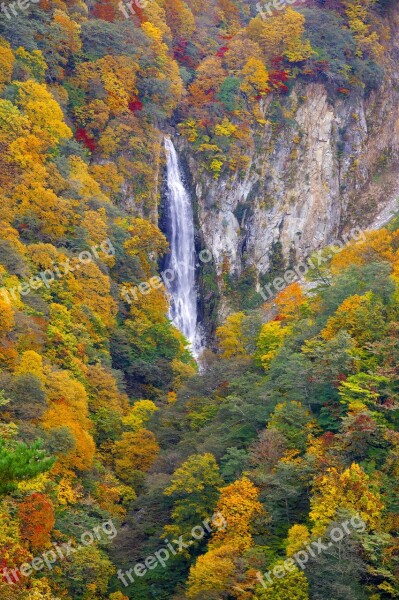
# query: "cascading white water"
182, 260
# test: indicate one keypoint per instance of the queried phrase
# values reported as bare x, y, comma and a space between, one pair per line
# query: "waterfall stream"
182, 259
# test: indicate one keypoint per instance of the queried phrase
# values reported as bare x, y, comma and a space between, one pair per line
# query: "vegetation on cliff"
103, 417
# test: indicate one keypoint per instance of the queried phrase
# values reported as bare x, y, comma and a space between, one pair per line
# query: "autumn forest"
131, 468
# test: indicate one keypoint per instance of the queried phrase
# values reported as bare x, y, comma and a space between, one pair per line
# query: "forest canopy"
110, 438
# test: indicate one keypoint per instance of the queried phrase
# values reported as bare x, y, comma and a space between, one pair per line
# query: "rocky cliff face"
320, 165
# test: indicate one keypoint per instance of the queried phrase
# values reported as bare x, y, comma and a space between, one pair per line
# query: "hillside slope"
125, 473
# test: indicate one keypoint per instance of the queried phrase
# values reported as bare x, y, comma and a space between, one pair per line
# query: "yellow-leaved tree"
281, 34
231, 337
68, 407
361, 316
6, 62
360, 19
135, 451
147, 242
255, 78
216, 571
43, 111
351, 489
269, 342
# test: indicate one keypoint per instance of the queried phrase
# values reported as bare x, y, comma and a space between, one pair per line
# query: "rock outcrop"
322, 164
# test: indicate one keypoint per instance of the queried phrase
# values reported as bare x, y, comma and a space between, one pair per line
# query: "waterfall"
182, 259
